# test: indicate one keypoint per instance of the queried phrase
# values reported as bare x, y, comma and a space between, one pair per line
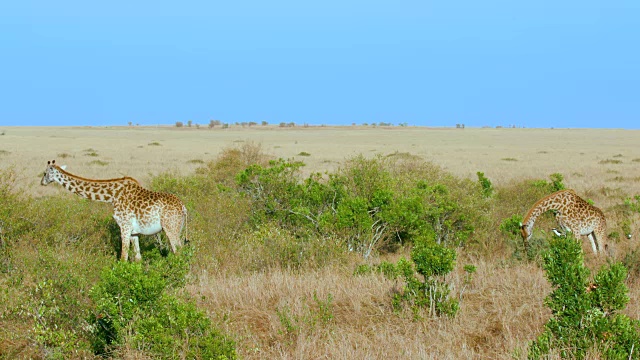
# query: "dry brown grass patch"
500, 312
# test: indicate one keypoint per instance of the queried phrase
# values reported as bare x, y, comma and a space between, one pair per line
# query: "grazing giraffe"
135, 209
573, 214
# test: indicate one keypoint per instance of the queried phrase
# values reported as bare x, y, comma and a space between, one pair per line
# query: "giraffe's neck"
551, 202
98, 190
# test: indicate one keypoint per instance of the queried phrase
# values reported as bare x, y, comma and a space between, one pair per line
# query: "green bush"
530, 250
270, 246
633, 203
585, 314
511, 226
135, 306
433, 262
359, 203
485, 184
556, 183
57, 307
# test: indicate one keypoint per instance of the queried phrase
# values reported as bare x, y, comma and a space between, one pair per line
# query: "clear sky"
528, 63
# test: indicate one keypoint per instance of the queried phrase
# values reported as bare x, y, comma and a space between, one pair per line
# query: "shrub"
585, 314
57, 306
270, 246
433, 262
511, 225
633, 203
135, 307
233, 160
556, 183
99, 163
610, 161
485, 184
360, 204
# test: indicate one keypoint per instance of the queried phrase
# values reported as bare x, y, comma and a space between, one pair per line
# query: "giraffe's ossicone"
135, 209
573, 214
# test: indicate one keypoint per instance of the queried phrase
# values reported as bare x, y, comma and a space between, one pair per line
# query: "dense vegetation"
64, 294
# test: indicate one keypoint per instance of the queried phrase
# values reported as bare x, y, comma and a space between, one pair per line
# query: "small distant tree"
252, 123
189, 123
130, 123
282, 124
264, 123
179, 124
430, 290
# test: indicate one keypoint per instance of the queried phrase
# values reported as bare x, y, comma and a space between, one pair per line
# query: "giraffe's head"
52, 173
525, 231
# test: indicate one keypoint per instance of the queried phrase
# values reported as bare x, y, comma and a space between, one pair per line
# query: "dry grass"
501, 312
539, 152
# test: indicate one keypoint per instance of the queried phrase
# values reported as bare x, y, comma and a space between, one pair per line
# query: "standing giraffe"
135, 209
573, 214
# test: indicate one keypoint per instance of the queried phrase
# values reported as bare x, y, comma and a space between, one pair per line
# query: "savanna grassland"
302, 257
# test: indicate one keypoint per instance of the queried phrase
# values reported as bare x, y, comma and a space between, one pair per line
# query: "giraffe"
135, 209
573, 214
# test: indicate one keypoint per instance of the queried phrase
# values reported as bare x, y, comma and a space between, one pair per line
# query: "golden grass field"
501, 311
589, 159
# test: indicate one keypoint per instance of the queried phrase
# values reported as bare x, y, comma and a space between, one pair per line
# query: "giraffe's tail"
186, 225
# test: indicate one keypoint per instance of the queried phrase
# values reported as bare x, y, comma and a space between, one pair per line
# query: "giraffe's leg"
172, 225
594, 242
601, 240
136, 248
125, 235
124, 252
174, 239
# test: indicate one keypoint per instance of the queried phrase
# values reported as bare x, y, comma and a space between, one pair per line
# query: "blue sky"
429, 63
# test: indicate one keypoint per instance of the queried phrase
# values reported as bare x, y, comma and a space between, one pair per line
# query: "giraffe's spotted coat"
574, 214
135, 209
